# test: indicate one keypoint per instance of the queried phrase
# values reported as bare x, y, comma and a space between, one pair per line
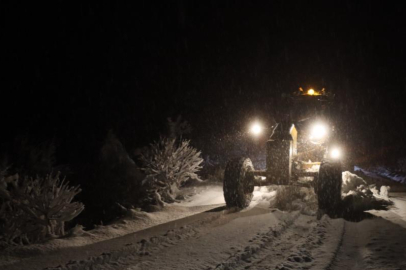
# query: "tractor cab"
301, 139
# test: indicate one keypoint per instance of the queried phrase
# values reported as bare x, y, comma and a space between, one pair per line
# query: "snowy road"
397, 213
257, 238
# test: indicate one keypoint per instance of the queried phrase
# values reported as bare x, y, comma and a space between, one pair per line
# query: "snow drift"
359, 197
353, 184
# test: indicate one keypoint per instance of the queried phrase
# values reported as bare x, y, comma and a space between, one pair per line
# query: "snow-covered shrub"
169, 164
34, 209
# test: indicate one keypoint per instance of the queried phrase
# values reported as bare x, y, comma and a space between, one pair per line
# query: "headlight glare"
256, 129
335, 153
318, 131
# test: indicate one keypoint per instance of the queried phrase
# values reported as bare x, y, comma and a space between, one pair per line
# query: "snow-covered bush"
169, 164
34, 209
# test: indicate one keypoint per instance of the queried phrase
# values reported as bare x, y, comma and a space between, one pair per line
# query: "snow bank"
359, 197
354, 185
384, 192
204, 195
200, 199
351, 182
293, 198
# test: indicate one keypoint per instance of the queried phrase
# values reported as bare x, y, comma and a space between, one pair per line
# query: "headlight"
335, 153
318, 132
256, 129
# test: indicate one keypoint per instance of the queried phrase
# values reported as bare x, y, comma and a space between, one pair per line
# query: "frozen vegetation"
36, 209
168, 164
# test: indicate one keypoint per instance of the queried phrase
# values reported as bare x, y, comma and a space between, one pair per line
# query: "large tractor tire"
329, 187
238, 183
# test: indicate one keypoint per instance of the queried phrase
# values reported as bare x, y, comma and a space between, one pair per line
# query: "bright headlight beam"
256, 128
318, 131
335, 153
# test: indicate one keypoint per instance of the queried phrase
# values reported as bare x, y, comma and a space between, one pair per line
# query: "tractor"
302, 150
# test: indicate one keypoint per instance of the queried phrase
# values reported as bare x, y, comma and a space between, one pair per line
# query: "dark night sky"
74, 71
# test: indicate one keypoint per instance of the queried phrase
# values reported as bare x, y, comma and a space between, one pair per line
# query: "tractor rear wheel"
238, 183
329, 187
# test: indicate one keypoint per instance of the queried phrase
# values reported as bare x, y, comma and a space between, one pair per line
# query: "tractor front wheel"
329, 187
238, 183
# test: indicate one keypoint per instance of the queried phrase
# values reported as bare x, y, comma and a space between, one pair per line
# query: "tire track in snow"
339, 246
349, 255
296, 246
139, 250
372, 244
259, 244
315, 250
142, 253
215, 243
293, 241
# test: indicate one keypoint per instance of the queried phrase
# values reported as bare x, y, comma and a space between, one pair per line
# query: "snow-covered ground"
203, 195
188, 235
200, 199
397, 213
